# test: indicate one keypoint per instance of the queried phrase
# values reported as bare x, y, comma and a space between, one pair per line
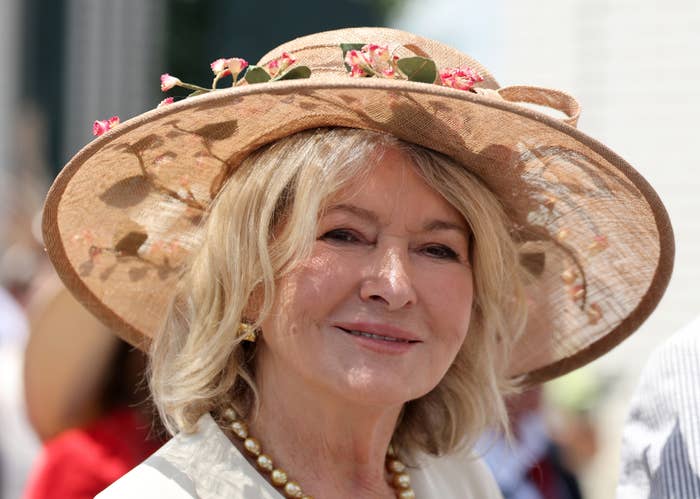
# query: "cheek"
315, 287
449, 301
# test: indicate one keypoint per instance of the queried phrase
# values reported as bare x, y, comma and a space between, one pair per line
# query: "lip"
407, 339
380, 329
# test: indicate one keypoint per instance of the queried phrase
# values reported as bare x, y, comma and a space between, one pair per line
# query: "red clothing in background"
79, 463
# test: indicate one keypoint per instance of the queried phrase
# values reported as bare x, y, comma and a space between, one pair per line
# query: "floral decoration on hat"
124, 213
361, 60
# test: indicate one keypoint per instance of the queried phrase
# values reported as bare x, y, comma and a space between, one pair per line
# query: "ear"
251, 312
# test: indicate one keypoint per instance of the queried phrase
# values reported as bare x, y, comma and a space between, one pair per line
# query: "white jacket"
206, 465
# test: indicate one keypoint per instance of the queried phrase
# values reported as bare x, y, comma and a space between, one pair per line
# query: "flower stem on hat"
225, 67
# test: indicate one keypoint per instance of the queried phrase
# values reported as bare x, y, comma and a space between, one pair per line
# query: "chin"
380, 389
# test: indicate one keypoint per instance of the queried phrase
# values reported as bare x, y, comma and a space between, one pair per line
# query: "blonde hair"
264, 221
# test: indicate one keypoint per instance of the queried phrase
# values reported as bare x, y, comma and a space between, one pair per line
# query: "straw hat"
124, 213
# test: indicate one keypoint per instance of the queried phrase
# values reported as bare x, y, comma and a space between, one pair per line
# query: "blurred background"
632, 64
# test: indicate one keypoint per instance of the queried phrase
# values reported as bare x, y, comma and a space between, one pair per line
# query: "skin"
390, 258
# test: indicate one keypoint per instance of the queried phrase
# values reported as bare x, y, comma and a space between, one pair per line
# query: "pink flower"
463, 78
166, 101
236, 65
277, 66
101, 126
357, 63
167, 82
372, 59
376, 55
218, 66
354, 58
357, 71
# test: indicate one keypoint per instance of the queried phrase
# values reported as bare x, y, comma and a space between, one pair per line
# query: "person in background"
85, 399
661, 437
18, 445
529, 465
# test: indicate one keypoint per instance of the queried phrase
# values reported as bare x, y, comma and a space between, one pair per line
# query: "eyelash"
341, 236
345, 236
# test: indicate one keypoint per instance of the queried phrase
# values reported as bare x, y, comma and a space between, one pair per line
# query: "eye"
440, 252
341, 236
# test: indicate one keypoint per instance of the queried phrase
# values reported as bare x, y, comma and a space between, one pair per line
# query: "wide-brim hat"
126, 211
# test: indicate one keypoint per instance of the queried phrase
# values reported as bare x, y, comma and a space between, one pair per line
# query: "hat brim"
144, 188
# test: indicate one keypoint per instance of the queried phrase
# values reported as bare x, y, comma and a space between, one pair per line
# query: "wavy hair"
264, 221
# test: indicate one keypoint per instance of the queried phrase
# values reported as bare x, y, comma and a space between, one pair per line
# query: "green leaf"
350, 46
296, 73
418, 68
256, 74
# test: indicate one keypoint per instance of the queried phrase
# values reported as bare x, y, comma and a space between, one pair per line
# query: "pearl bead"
292, 489
240, 429
230, 414
402, 480
395, 466
252, 446
265, 462
278, 477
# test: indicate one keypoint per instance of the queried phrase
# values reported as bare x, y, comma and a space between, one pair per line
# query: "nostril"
378, 298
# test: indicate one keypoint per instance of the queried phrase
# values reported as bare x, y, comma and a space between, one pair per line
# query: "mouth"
375, 336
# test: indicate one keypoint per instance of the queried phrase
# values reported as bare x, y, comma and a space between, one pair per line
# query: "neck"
331, 446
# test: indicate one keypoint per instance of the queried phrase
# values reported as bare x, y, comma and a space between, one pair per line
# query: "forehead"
392, 188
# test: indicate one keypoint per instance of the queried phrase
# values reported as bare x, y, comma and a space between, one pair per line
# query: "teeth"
374, 336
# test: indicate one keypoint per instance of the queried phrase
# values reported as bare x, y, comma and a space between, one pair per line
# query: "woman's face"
381, 307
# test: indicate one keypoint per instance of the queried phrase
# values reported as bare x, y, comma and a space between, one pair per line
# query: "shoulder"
671, 373
157, 476
661, 437
148, 480
203, 465
459, 475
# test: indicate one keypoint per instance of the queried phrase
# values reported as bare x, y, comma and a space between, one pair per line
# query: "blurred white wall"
634, 66
113, 52
9, 40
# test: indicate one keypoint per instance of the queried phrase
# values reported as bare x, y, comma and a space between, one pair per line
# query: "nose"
388, 280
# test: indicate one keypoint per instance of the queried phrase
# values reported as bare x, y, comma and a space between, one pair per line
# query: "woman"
333, 259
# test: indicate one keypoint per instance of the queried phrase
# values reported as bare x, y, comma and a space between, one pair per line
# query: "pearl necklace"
399, 479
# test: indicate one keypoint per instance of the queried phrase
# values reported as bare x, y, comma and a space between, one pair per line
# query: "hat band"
547, 97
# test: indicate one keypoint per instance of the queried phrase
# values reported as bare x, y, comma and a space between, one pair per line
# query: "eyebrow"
430, 226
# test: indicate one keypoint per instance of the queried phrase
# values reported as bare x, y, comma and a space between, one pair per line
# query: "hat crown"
322, 53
